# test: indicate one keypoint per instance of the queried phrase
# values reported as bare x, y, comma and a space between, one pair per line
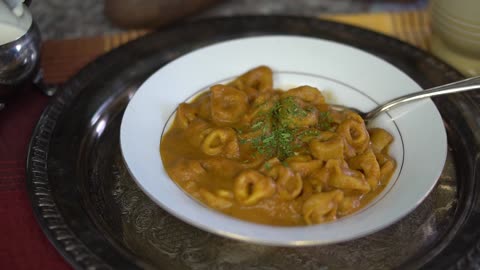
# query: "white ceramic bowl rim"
421, 151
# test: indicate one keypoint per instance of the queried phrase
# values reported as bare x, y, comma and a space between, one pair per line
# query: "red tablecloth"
22, 243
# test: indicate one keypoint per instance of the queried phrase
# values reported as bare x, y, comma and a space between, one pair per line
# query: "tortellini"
342, 177
221, 141
328, 149
289, 184
322, 207
186, 113
368, 164
228, 104
214, 200
254, 81
306, 93
305, 168
251, 186
355, 134
275, 157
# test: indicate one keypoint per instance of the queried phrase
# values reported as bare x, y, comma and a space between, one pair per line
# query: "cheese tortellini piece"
254, 81
332, 148
342, 177
368, 164
289, 184
355, 133
221, 141
322, 207
275, 157
251, 186
305, 167
228, 104
216, 201
307, 94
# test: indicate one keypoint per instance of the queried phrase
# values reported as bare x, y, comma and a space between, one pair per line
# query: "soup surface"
277, 157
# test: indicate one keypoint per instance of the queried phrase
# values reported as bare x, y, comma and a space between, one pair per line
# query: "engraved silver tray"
97, 218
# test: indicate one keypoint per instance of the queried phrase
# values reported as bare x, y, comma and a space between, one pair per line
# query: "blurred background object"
60, 19
149, 13
456, 34
19, 48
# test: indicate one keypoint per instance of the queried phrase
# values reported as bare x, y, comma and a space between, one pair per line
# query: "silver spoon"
460, 86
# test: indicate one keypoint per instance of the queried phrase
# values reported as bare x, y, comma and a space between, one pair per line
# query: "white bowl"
351, 76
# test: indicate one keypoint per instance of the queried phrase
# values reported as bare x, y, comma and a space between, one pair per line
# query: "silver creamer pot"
19, 47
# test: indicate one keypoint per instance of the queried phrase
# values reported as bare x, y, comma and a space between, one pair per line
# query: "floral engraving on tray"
150, 231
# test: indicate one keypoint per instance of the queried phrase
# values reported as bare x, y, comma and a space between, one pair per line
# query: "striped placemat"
410, 26
63, 58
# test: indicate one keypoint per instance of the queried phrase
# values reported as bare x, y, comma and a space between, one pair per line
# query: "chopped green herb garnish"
257, 125
239, 131
277, 136
325, 121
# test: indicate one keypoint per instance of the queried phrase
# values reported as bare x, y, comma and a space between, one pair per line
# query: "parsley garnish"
325, 121
278, 134
267, 165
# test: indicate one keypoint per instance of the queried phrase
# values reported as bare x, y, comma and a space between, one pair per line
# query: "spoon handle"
459, 86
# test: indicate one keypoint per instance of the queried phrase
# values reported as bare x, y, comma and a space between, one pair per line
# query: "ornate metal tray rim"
49, 217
